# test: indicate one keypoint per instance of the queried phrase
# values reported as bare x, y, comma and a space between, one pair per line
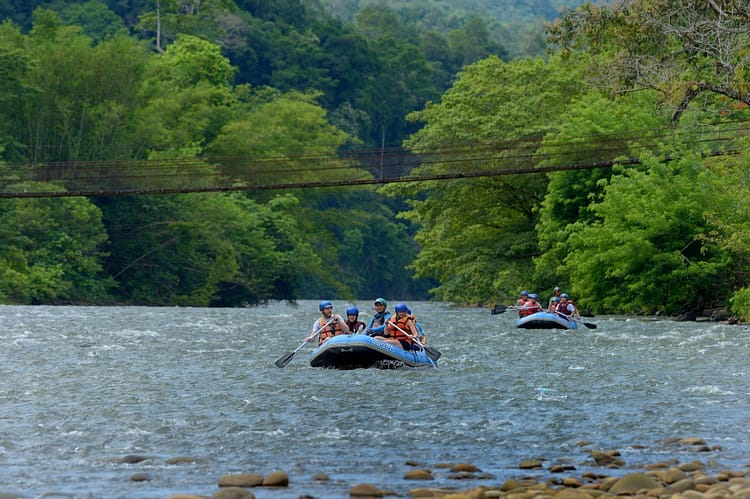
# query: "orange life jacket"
402, 324
333, 329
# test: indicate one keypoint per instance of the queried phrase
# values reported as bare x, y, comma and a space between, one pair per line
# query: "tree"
205, 249
477, 235
682, 49
648, 253
593, 129
51, 250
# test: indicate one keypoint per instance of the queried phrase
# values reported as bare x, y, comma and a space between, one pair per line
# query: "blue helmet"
556, 299
564, 295
401, 307
524, 293
325, 304
352, 311
534, 296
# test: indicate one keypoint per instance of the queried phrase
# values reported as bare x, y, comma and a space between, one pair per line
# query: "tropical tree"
681, 49
205, 249
593, 130
649, 252
51, 249
477, 235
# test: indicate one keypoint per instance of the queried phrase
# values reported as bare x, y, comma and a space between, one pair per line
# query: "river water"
82, 388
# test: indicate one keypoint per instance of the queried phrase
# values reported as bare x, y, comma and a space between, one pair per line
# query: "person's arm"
422, 336
381, 328
413, 328
315, 328
344, 328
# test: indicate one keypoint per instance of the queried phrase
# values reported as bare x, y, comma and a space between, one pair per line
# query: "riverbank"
536, 478
666, 479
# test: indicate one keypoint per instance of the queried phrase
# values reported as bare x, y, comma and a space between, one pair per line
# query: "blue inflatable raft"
353, 351
546, 320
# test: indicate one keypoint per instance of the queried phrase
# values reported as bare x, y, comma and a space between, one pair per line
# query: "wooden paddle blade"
432, 353
283, 361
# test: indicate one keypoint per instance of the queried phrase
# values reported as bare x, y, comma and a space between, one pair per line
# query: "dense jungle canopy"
642, 103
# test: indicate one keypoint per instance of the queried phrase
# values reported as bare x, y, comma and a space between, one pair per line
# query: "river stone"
181, 459
606, 458
186, 496
691, 466
427, 492
418, 475
365, 490
681, 486
233, 493
692, 441
241, 480
572, 494
671, 475
510, 484
530, 464
632, 483
276, 479
140, 477
464, 467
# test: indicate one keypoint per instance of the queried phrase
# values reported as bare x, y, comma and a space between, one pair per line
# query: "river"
82, 388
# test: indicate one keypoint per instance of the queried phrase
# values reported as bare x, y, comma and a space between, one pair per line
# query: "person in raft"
567, 307
377, 323
532, 305
557, 291
521, 304
355, 325
553, 303
401, 330
329, 324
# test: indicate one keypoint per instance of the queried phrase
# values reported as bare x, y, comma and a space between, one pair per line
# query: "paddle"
589, 325
432, 354
285, 359
499, 309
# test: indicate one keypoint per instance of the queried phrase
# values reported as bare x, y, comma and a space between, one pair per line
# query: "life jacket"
530, 309
562, 308
356, 326
333, 329
402, 324
521, 304
379, 319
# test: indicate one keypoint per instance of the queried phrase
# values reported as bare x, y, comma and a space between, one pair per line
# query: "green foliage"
646, 254
97, 20
365, 250
593, 129
204, 249
51, 250
477, 235
739, 304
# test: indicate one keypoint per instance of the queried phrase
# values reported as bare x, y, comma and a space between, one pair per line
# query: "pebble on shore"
665, 479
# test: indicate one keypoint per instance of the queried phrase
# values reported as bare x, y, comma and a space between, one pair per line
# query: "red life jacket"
562, 308
356, 325
530, 308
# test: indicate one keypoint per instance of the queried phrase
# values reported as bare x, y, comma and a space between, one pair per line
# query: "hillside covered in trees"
632, 91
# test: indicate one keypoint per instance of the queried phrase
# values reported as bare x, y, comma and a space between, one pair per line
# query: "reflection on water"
83, 387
